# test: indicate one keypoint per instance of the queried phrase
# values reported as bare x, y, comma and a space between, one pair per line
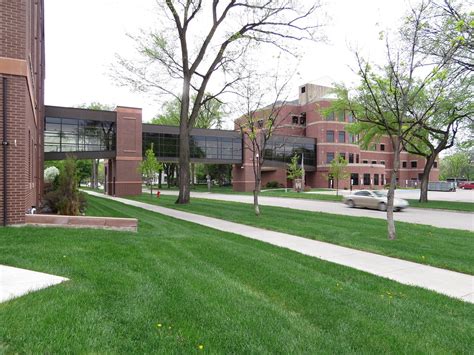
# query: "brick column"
128, 180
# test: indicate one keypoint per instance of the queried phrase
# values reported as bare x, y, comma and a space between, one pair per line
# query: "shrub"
307, 188
272, 184
64, 196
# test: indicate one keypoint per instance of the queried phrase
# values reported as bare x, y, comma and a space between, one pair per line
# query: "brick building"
302, 128
32, 132
21, 107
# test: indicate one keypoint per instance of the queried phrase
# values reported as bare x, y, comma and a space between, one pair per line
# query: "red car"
467, 185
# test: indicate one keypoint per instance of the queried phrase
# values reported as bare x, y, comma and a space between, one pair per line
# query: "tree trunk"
151, 187
391, 192
184, 151
192, 173
160, 175
426, 178
256, 191
337, 187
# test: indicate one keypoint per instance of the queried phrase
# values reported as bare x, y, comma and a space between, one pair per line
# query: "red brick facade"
371, 166
22, 81
123, 177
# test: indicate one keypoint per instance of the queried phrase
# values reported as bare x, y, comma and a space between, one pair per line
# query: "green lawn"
225, 292
445, 248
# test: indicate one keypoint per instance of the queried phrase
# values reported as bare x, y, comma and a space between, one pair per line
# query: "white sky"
82, 38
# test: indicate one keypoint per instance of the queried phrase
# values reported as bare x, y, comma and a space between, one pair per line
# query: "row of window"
73, 135
299, 119
350, 157
341, 116
341, 137
284, 148
378, 179
203, 147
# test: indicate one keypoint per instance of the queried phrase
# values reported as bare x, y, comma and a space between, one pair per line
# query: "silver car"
373, 199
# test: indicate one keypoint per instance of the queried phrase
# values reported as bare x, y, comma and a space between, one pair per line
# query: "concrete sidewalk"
447, 282
15, 282
431, 217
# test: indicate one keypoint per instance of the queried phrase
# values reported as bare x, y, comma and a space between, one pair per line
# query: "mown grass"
204, 287
445, 248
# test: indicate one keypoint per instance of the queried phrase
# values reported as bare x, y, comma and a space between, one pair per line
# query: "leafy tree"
389, 100
337, 170
457, 165
444, 105
149, 167
190, 57
294, 170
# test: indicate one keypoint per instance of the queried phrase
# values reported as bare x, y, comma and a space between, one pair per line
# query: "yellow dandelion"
200, 347
169, 327
159, 325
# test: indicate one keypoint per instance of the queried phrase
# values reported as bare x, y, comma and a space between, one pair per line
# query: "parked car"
466, 185
373, 199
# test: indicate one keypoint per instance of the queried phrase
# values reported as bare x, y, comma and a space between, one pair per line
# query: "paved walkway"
459, 195
447, 282
15, 282
432, 217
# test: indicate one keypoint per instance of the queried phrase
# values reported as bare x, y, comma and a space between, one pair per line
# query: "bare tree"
259, 122
188, 54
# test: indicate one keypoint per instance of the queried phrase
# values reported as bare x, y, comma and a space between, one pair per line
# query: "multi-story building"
32, 132
21, 107
304, 129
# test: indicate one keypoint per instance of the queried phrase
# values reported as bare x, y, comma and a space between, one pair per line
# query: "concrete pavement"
459, 195
450, 283
432, 217
15, 282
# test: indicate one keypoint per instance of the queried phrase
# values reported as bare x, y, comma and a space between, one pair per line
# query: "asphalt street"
436, 218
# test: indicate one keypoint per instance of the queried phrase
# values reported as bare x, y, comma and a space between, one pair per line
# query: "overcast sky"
82, 38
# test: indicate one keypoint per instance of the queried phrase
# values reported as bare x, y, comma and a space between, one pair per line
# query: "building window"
357, 158
330, 116
329, 157
330, 136
340, 116
355, 179
351, 158
342, 156
352, 138
350, 118
374, 161
303, 89
260, 123
376, 179
294, 120
365, 162
382, 162
414, 164
366, 179
342, 137
382, 147
404, 164
373, 147
435, 165
382, 179
303, 119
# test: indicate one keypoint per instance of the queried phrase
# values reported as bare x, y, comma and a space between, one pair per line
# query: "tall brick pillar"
128, 180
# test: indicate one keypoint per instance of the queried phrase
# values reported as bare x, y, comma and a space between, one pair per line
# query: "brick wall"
22, 64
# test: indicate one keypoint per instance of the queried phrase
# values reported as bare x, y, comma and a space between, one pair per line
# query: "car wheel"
398, 209
382, 206
351, 204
